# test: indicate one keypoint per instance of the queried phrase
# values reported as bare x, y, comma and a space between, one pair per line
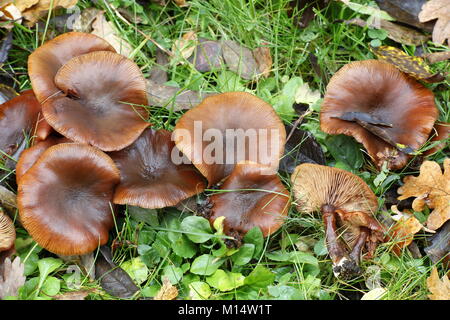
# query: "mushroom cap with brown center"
227, 117
65, 198
252, 196
149, 177
102, 105
18, 116
316, 186
45, 61
29, 156
380, 90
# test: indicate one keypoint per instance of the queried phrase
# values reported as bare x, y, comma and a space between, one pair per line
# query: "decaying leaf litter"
241, 67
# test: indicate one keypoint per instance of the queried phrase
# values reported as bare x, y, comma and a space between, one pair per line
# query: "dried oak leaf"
431, 188
12, 278
439, 288
183, 48
167, 291
412, 65
440, 10
264, 60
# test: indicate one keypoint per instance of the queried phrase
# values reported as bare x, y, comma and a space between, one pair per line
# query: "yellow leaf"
439, 288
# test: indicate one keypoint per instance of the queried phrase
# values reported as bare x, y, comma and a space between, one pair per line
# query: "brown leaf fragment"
173, 98
167, 291
12, 278
239, 59
430, 188
158, 73
73, 295
440, 10
39, 10
83, 22
439, 288
183, 48
264, 60
207, 56
403, 231
437, 56
439, 247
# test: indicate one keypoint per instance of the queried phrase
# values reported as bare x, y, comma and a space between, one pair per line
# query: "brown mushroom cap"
380, 90
29, 156
149, 178
253, 197
64, 199
440, 132
17, 116
7, 232
102, 90
230, 111
45, 61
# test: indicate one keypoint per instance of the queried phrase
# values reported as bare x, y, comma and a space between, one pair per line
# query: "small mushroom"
102, 102
440, 132
45, 61
229, 128
65, 198
18, 117
388, 112
149, 177
7, 232
347, 205
29, 156
251, 196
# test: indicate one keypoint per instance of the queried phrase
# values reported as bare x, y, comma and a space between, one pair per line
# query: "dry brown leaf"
437, 56
431, 188
440, 10
403, 231
439, 288
167, 291
10, 12
264, 60
184, 47
105, 29
12, 278
74, 295
41, 7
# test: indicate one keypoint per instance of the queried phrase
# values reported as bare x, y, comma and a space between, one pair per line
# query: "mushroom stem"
359, 244
344, 266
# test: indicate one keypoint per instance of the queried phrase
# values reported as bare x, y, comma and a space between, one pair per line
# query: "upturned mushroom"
65, 198
251, 196
149, 177
228, 128
347, 205
45, 61
387, 111
102, 101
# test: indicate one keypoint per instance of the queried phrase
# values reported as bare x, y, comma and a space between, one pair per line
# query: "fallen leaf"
113, 279
264, 60
173, 98
430, 188
10, 12
440, 10
105, 29
73, 295
12, 278
183, 48
440, 244
395, 31
207, 56
412, 65
239, 59
439, 288
437, 56
304, 94
158, 73
5, 47
403, 231
406, 12
167, 291
41, 8
83, 22
374, 294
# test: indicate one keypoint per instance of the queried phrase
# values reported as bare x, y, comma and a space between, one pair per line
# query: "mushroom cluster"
386, 110
91, 147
